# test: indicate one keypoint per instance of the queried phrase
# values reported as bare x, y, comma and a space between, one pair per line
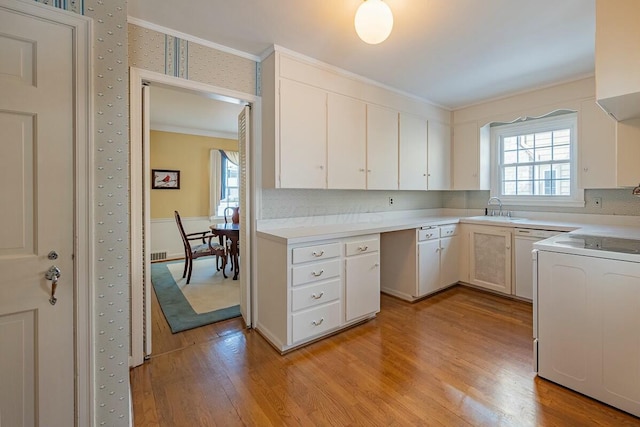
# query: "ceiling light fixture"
374, 21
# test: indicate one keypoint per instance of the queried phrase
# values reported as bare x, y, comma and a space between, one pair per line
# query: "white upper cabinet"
382, 148
303, 136
617, 57
439, 156
347, 143
597, 147
325, 129
413, 152
471, 157
608, 149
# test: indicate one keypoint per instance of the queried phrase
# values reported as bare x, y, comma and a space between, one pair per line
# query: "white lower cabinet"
308, 290
362, 285
416, 263
428, 267
490, 257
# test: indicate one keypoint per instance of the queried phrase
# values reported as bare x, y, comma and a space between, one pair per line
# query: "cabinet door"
490, 258
346, 143
413, 152
428, 267
303, 136
439, 156
466, 156
597, 147
362, 286
382, 148
449, 264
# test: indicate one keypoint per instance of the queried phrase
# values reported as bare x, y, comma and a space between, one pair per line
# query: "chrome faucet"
489, 203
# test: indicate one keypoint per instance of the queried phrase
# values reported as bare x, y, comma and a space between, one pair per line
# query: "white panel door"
382, 148
439, 156
36, 169
303, 136
346, 143
413, 152
362, 285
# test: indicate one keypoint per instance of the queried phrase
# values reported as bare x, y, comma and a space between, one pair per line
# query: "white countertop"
309, 229
309, 233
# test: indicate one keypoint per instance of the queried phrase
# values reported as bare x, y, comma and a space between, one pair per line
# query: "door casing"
83, 193
140, 291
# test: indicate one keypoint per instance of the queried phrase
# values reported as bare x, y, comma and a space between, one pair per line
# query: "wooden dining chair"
195, 250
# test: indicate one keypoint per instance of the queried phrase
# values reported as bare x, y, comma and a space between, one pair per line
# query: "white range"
587, 314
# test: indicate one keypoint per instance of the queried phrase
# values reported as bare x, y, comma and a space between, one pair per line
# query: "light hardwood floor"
460, 358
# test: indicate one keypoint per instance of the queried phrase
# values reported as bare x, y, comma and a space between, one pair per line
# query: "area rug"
208, 298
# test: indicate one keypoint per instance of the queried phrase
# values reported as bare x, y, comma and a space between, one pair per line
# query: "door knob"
53, 274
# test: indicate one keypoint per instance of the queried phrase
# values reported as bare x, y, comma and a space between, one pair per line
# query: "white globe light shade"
374, 21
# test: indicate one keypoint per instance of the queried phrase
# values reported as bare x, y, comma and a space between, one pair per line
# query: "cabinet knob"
321, 167
585, 169
318, 322
314, 296
317, 274
361, 170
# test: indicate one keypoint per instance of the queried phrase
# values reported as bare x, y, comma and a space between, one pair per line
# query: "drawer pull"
363, 248
318, 322
314, 296
317, 274
317, 254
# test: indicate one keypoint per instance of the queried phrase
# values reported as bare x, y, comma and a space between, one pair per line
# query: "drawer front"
448, 230
314, 253
316, 271
362, 247
315, 321
312, 295
428, 234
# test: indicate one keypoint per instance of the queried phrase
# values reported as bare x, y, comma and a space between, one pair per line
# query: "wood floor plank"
460, 358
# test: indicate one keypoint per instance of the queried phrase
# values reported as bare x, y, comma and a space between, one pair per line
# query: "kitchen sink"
496, 218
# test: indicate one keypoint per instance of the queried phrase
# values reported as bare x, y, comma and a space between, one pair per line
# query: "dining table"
230, 231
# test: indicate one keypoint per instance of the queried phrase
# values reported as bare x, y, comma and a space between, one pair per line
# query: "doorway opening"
142, 231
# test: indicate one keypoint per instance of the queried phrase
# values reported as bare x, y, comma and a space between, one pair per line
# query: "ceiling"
181, 111
453, 53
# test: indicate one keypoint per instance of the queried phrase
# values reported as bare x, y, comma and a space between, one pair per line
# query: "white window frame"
224, 202
521, 127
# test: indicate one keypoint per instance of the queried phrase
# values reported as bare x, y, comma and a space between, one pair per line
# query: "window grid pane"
537, 164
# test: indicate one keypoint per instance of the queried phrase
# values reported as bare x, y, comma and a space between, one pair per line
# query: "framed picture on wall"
165, 179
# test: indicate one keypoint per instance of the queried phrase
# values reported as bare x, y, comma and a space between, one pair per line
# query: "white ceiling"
174, 110
453, 53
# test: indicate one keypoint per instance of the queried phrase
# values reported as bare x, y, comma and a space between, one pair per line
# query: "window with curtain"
224, 181
535, 162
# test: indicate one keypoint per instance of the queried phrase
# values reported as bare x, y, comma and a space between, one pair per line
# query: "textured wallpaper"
162, 53
278, 203
614, 202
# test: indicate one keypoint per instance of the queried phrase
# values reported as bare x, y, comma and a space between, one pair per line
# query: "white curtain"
215, 181
233, 156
